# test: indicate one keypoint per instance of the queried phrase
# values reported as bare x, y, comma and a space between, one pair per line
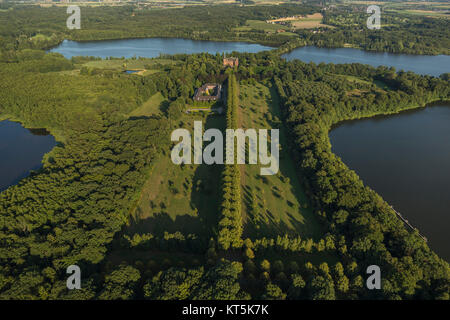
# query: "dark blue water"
21, 150
431, 65
406, 159
151, 47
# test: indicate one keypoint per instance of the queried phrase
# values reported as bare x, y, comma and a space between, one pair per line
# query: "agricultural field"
416, 8
427, 13
277, 204
283, 26
309, 21
261, 25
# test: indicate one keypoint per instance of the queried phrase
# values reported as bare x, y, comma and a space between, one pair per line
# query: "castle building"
208, 92
230, 62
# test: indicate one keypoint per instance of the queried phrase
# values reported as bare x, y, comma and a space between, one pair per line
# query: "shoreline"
413, 109
274, 47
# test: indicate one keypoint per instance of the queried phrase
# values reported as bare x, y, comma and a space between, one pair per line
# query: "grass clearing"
272, 205
153, 106
183, 198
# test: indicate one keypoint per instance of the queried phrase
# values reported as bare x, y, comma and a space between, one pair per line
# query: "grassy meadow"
273, 205
153, 106
181, 198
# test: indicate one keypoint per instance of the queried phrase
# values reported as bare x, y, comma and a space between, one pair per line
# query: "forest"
80, 207
74, 210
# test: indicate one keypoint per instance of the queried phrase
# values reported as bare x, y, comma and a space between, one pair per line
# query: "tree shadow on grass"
305, 225
206, 193
204, 198
161, 222
271, 228
164, 106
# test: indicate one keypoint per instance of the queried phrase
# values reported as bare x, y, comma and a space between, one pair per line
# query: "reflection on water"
21, 150
39, 132
431, 65
406, 159
151, 47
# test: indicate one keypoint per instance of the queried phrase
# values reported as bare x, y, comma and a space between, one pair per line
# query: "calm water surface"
406, 159
151, 47
431, 65
21, 150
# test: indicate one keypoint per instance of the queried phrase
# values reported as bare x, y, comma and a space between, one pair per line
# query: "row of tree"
230, 223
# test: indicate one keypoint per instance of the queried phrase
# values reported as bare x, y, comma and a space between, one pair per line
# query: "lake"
21, 150
406, 159
151, 47
431, 65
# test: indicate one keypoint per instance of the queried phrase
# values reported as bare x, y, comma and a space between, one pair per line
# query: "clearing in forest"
272, 205
181, 198
153, 106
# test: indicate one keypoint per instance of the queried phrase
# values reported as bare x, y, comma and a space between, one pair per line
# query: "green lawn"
288, 34
282, 206
180, 198
153, 106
